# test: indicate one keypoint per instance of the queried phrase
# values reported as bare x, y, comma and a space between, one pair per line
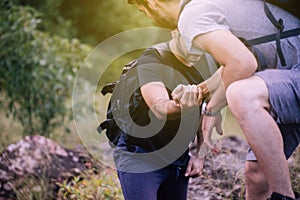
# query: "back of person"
245, 19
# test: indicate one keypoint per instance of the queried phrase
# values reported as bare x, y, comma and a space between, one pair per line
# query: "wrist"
204, 89
207, 111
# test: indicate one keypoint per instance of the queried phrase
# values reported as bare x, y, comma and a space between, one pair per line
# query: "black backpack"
291, 6
118, 108
113, 132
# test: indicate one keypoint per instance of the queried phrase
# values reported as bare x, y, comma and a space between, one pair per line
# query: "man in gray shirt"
266, 104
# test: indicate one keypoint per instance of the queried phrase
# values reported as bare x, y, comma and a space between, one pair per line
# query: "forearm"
210, 85
201, 149
217, 100
214, 90
164, 107
199, 140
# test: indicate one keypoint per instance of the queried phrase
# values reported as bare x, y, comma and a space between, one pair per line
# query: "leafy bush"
91, 185
37, 70
34, 187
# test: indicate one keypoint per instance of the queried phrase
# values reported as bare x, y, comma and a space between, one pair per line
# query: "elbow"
237, 69
249, 65
245, 67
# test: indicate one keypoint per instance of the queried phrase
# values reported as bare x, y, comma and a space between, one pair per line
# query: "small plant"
91, 185
33, 187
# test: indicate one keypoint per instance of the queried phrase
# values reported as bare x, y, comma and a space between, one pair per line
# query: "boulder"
38, 158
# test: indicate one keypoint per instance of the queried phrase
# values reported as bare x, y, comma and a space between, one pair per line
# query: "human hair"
137, 1
144, 2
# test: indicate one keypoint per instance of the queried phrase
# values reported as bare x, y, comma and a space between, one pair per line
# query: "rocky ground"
40, 157
223, 174
39, 160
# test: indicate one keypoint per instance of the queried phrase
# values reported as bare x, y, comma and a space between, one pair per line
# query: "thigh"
284, 94
250, 91
175, 187
137, 186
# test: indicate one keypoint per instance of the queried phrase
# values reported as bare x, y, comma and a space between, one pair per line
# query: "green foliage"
97, 20
53, 21
91, 185
37, 70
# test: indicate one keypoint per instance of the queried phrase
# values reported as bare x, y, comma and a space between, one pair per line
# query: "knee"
255, 179
247, 96
253, 174
239, 98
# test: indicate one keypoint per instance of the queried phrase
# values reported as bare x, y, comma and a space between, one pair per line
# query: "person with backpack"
152, 153
265, 103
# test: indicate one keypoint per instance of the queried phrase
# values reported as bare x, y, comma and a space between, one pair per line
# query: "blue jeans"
168, 183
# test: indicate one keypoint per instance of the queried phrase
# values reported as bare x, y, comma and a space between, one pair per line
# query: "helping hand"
195, 167
187, 96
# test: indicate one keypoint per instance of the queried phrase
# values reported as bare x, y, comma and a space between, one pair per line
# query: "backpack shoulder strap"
108, 88
275, 37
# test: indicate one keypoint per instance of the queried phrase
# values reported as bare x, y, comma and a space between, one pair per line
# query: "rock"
222, 176
42, 159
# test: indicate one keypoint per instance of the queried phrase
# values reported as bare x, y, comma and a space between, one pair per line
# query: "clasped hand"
187, 96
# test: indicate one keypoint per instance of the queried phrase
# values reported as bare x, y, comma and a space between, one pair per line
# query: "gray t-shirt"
244, 18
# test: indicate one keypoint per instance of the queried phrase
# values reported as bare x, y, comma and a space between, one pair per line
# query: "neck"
174, 11
171, 9
176, 52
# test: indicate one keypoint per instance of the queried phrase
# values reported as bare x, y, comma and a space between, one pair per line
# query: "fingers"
208, 123
177, 92
189, 97
218, 123
212, 146
219, 128
189, 168
195, 167
199, 95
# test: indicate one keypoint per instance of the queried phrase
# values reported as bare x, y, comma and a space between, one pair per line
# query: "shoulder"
158, 53
150, 55
201, 16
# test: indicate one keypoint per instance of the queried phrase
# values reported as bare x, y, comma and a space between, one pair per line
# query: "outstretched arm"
235, 58
237, 63
156, 97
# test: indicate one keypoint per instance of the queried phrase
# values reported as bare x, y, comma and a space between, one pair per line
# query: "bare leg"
257, 186
248, 100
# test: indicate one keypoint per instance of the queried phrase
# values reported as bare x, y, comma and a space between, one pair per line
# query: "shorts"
284, 95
